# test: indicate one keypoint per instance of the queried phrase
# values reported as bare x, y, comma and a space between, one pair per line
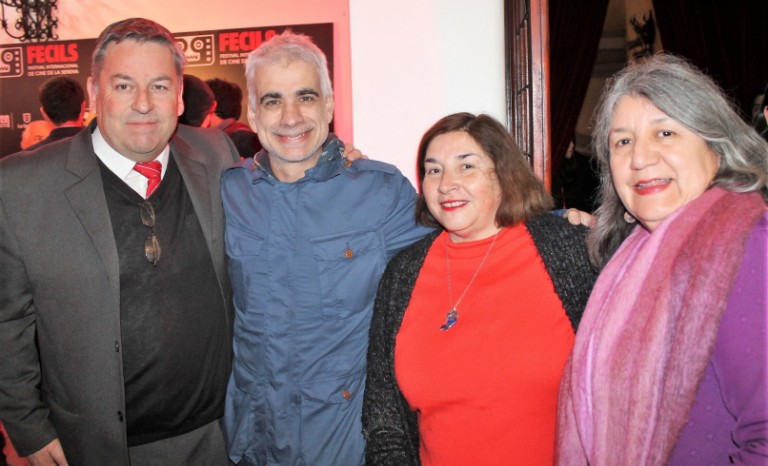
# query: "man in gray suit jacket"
115, 307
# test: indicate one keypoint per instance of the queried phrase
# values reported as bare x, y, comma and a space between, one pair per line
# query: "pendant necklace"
453, 314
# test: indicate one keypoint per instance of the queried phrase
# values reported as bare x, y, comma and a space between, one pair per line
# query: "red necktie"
152, 171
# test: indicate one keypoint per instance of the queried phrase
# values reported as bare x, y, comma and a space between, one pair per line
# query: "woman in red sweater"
473, 324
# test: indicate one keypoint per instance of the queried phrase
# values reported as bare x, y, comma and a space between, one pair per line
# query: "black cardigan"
390, 427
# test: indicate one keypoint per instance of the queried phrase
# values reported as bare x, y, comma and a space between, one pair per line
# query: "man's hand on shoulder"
50, 455
578, 217
352, 154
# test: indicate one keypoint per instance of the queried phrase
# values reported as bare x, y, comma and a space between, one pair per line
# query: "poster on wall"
210, 54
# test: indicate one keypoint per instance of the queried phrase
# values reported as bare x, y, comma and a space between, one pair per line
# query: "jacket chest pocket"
348, 267
245, 264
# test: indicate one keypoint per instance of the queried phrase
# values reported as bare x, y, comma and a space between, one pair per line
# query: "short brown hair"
523, 195
141, 30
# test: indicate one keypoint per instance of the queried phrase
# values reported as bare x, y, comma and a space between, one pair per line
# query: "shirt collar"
333, 149
117, 163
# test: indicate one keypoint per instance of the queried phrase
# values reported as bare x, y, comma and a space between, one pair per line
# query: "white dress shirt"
123, 166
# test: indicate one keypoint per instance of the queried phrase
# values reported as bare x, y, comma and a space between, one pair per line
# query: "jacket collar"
333, 150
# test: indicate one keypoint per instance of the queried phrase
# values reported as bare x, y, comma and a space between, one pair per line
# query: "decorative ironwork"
645, 31
35, 21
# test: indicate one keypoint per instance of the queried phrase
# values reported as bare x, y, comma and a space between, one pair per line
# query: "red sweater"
485, 390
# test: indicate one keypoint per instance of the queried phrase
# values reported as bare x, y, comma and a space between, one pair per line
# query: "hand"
353, 154
577, 217
50, 455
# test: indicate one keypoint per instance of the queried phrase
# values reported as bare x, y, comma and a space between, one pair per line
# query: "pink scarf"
648, 332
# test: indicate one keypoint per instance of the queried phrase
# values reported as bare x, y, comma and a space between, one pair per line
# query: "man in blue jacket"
308, 235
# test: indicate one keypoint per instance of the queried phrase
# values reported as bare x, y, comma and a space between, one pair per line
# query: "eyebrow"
662, 119
126, 77
655, 121
299, 93
307, 91
269, 95
120, 76
459, 156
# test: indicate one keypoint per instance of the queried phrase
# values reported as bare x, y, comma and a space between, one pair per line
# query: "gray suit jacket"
60, 285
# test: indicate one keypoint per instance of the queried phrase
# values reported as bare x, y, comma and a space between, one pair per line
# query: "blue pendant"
450, 319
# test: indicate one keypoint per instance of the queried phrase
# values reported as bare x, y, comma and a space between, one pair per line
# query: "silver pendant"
450, 319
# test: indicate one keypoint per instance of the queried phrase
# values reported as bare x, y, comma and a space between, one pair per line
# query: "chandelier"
35, 21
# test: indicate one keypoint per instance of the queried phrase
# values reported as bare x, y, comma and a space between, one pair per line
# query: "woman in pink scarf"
669, 364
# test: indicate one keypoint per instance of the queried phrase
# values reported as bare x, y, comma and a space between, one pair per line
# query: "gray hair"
285, 48
141, 30
692, 98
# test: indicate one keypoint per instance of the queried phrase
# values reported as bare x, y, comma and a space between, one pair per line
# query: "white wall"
399, 65
414, 62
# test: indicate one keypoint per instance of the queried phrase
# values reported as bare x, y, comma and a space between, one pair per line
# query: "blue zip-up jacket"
305, 260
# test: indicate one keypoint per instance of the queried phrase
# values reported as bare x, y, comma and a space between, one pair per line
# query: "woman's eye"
622, 142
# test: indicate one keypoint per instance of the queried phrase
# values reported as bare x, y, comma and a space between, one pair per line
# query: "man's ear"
207, 121
180, 99
252, 119
45, 115
92, 89
329, 108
